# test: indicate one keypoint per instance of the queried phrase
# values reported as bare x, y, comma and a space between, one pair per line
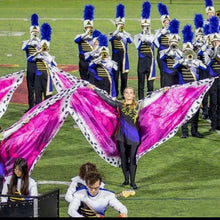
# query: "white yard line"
54, 182
80, 19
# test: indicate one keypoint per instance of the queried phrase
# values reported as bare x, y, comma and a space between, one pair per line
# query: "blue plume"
34, 20
96, 33
206, 29
214, 24
103, 41
120, 11
208, 3
198, 21
187, 34
162, 9
89, 12
46, 32
174, 26
146, 7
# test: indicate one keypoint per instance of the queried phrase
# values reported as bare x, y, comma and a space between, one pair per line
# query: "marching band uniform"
213, 63
187, 68
103, 68
209, 9
32, 46
76, 184
32, 189
43, 81
198, 43
98, 203
85, 41
169, 55
119, 40
92, 55
162, 36
146, 57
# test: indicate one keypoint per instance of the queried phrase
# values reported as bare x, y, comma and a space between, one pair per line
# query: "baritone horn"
217, 13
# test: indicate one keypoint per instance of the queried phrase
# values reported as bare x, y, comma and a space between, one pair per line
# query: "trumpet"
122, 28
104, 55
90, 32
174, 46
44, 47
189, 55
217, 13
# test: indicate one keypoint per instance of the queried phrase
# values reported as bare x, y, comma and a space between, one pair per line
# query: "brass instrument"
122, 28
90, 32
174, 46
44, 47
217, 13
189, 54
104, 54
217, 52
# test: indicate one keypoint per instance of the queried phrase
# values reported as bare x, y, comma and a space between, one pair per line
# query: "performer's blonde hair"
134, 103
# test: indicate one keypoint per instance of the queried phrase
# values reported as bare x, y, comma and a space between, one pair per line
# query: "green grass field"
180, 178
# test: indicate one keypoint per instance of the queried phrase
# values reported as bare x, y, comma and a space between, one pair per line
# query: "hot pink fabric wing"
8, 84
30, 136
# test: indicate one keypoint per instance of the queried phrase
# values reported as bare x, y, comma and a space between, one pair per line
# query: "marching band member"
169, 55
162, 36
213, 63
93, 200
103, 68
32, 46
146, 57
187, 68
85, 40
119, 40
198, 43
43, 82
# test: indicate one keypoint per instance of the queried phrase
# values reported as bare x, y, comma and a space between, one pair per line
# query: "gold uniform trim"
170, 63
41, 65
188, 75
31, 50
86, 47
118, 44
164, 40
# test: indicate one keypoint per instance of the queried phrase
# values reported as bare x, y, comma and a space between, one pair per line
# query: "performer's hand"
123, 215
165, 89
91, 86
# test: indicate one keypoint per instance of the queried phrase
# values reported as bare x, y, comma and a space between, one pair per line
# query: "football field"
180, 178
